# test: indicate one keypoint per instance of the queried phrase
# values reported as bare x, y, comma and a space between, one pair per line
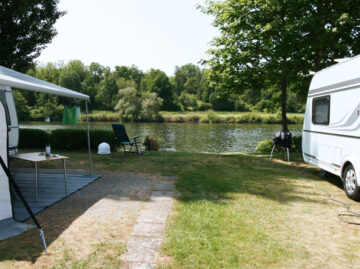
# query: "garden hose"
340, 216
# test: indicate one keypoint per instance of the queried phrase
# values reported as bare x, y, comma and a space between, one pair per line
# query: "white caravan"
331, 132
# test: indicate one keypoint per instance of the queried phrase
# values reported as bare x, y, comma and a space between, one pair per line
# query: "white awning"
18, 80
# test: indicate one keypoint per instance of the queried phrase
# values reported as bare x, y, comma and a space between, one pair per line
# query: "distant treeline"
138, 95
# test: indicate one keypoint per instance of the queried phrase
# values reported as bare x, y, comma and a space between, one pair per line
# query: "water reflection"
191, 136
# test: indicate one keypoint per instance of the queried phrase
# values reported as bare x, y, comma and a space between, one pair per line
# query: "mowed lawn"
240, 211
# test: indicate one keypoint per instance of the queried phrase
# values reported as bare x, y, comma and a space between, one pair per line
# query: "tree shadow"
271, 179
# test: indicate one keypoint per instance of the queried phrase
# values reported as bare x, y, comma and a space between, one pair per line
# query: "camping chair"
123, 139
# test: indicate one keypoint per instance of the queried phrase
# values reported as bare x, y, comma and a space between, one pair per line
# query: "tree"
151, 105
107, 94
129, 73
271, 43
157, 81
25, 29
129, 105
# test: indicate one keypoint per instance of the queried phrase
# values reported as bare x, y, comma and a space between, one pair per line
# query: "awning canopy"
18, 80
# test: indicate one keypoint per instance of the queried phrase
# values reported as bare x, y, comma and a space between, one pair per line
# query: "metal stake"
66, 190
272, 151
88, 136
43, 241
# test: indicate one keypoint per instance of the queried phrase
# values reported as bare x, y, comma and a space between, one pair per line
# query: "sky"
149, 34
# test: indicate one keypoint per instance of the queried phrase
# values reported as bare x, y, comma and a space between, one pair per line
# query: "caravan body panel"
331, 131
5, 200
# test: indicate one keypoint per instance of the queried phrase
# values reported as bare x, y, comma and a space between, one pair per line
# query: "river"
195, 137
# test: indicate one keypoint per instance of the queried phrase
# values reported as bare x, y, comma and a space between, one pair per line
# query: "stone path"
143, 245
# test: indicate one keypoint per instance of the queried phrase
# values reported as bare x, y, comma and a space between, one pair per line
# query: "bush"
74, 139
240, 105
265, 146
188, 101
129, 105
210, 117
152, 143
33, 138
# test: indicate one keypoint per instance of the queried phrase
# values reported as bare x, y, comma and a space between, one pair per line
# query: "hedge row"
67, 139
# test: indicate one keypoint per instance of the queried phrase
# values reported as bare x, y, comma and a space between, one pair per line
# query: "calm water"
191, 136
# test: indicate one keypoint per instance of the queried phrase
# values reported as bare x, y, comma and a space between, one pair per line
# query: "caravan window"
321, 110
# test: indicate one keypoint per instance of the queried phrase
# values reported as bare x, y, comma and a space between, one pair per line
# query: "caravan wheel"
350, 183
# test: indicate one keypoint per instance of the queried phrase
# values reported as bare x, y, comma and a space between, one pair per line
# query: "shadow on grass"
221, 176
58, 217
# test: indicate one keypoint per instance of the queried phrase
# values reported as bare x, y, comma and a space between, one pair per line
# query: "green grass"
242, 211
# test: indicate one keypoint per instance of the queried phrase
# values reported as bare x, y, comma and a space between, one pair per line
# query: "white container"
47, 150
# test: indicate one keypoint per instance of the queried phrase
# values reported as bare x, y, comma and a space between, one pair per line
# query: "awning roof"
18, 80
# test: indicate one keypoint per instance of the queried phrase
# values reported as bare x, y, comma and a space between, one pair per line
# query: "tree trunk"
284, 83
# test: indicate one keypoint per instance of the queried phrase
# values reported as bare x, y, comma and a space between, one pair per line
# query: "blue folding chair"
124, 141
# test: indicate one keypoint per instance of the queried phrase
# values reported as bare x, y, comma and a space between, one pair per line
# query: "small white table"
36, 158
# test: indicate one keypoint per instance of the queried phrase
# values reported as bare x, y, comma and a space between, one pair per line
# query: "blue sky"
149, 34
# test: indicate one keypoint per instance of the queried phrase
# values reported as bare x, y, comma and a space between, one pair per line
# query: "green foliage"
26, 27
22, 107
157, 81
129, 105
210, 117
73, 139
266, 146
108, 89
33, 138
47, 109
221, 102
278, 44
129, 73
188, 101
150, 107
240, 105
152, 143
69, 139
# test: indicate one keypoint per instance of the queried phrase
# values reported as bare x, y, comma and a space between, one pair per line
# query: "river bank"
206, 117
193, 137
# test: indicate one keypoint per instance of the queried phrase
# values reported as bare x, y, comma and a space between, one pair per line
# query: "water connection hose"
340, 216
28, 209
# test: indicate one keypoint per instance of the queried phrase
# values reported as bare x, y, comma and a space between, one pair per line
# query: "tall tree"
129, 73
269, 43
157, 81
25, 29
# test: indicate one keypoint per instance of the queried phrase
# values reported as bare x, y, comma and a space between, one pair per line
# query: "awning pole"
88, 136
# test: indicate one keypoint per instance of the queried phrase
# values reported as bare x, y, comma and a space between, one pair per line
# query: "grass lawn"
234, 211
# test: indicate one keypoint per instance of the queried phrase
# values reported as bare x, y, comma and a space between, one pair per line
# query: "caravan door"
13, 123
5, 200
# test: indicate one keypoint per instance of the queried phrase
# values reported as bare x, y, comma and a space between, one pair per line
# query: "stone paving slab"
144, 243
164, 186
139, 265
162, 195
173, 178
152, 216
141, 249
161, 205
149, 229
